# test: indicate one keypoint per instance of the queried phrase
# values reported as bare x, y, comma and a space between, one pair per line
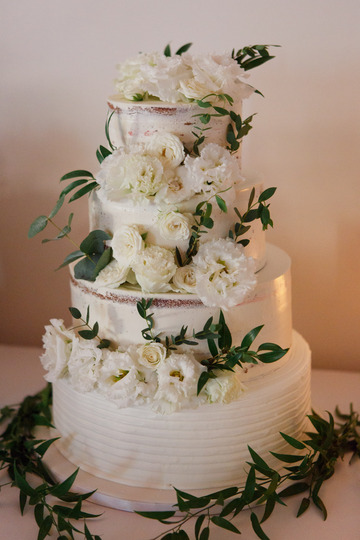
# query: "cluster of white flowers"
141, 374
220, 273
159, 171
180, 78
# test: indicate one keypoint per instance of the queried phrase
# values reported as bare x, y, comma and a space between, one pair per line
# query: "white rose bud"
185, 279
126, 244
154, 267
113, 275
168, 148
151, 354
174, 225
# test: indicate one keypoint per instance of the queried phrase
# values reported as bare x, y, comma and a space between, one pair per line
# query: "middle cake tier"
116, 311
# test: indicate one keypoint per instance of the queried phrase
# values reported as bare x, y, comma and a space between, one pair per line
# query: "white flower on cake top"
180, 78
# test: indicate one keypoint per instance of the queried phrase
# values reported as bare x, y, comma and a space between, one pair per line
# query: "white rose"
177, 186
226, 387
112, 175
126, 244
185, 279
168, 148
174, 225
130, 80
57, 344
123, 380
224, 275
214, 170
178, 376
112, 276
84, 364
144, 174
151, 354
154, 267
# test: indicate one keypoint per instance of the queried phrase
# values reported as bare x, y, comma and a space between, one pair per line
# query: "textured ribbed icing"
199, 448
115, 309
110, 215
135, 122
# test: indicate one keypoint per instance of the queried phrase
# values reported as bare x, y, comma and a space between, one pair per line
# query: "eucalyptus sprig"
21, 455
255, 210
307, 466
90, 332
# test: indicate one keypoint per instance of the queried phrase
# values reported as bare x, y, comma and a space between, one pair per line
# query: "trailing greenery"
21, 456
90, 332
312, 463
255, 210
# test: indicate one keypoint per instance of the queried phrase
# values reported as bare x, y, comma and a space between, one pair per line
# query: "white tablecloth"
21, 374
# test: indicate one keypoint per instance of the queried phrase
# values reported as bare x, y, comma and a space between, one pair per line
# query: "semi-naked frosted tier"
116, 312
135, 122
201, 448
110, 216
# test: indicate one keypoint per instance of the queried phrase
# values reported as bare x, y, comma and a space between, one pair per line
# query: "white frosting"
202, 448
135, 122
115, 309
110, 216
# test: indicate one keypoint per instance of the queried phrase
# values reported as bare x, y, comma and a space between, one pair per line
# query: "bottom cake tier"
200, 448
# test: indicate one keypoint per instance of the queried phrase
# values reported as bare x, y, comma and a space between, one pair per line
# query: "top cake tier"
136, 122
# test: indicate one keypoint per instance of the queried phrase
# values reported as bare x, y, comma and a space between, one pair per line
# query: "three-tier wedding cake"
182, 351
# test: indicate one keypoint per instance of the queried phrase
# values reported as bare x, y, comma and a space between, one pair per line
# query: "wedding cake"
182, 351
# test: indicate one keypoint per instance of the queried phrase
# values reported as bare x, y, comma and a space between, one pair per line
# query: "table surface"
22, 375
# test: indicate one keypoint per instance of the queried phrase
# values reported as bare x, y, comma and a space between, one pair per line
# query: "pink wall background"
57, 65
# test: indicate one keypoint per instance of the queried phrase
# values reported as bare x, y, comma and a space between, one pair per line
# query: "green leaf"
250, 485
221, 111
183, 49
258, 460
37, 226
167, 50
76, 174
104, 260
224, 524
203, 379
250, 337
293, 442
75, 313
39, 514
294, 489
72, 186
160, 516
90, 334
305, 503
21, 482
65, 486
83, 191
205, 534
266, 194
198, 525
44, 446
257, 527
57, 206
45, 528
22, 501
225, 338
94, 242
73, 256
221, 203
